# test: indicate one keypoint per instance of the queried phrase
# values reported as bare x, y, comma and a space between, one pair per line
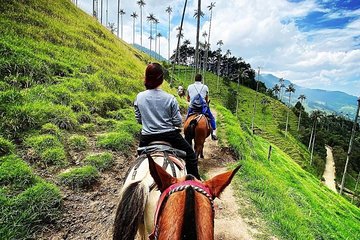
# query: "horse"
185, 209
181, 91
139, 194
197, 127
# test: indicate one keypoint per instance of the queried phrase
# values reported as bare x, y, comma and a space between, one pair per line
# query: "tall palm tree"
134, 16
227, 54
290, 89
282, 85
179, 36
315, 115
118, 17
198, 14
219, 43
276, 90
156, 22
350, 146
101, 11
107, 12
95, 9
122, 13
141, 4
204, 34
255, 99
210, 7
159, 35
169, 11
302, 97
150, 19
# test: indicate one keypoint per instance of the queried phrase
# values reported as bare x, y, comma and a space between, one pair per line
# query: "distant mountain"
329, 101
150, 53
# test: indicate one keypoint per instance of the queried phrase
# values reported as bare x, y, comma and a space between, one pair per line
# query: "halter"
177, 187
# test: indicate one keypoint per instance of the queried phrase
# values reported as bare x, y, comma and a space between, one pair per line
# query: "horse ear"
162, 178
218, 183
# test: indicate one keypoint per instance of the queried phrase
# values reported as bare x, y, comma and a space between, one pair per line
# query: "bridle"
177, 187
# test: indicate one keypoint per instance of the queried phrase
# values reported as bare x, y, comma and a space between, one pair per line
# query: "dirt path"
329, 173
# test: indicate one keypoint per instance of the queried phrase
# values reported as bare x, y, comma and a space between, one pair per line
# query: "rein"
177, 187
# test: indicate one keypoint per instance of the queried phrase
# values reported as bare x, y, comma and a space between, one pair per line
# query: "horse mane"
189, 226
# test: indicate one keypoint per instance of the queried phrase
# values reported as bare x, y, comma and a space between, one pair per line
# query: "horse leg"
202, 153
188, 139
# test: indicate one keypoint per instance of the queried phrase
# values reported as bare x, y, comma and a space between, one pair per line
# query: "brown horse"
197, 127
185, 209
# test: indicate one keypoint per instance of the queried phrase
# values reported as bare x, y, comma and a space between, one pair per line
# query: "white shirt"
197, 88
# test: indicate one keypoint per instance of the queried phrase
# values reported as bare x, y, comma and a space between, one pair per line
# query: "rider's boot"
213, 136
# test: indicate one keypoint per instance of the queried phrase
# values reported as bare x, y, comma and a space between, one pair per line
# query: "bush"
102, 161
78, 106
54, 156
50, 128
79, 177
88, 127
6, 147
122, 114
15, 173
131, 127
22, 215
83, 117
41, 143
118, 141
78, 143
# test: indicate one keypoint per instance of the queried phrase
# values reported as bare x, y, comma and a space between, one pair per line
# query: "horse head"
185, 209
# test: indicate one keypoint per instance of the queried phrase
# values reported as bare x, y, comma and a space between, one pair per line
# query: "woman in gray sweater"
159, 114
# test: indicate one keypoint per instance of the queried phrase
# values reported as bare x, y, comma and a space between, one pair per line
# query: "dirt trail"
329, 173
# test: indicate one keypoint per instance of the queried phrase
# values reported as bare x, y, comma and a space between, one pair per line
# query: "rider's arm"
137, 112
175, 113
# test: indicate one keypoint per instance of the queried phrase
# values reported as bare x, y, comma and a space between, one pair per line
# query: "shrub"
131, 127
50, 128
42, 142
54, 156
15, 173
88, 127
102, 161
6, 147
122, 114
79, 177
63, 117
118, 141
83, 117
78, 143
78, 106
36, 206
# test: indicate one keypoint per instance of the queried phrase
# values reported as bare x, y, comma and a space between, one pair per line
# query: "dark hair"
198, 77
154, 75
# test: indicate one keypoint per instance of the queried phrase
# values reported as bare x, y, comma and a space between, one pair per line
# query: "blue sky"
313, 43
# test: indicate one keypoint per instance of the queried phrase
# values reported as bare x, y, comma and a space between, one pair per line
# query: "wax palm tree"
134, 16
227, 54
118, 17
150, 19
302, 97
95, 9
204, 34
169, 11
122, 13
107, 12
159, 35
350, 146
290, 89
101, 10
198, 14
141, 4
219, 43
282, 85
210, 7
315, 115
156, 22
276, 90
255, 100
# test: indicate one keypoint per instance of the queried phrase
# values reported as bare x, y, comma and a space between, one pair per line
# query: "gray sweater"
157, 111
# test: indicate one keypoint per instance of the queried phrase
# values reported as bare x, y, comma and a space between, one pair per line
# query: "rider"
159, 114
198, 96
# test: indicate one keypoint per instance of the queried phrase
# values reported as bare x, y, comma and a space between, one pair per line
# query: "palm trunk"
311, 135
255, 99
122, 24
118, 13
141, 28
197, 37
134, 31
313, 144
169, 37
101, 8
287, 116
350, 147
107, 12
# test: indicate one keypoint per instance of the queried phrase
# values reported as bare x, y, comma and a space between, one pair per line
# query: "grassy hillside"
66, 92
65, 82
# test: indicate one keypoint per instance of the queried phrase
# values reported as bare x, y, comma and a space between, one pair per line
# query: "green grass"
79, 177
294, 202
117, 141
6, 147
78, 142
102, 161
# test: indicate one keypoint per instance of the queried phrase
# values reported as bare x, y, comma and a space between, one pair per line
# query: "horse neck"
187, 215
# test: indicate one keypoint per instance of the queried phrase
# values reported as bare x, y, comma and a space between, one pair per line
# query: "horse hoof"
201, 156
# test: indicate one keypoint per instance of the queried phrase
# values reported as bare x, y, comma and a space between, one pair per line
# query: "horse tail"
130, 211
192, 126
